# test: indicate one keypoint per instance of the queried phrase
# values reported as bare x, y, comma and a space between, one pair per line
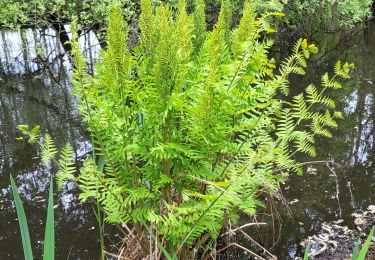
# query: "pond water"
36, 92
347, 186
33, 91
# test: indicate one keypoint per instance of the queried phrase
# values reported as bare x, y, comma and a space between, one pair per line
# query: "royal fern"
192, 124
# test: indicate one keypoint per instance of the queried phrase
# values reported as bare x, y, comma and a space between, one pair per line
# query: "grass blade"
364, 249
49, 236
26, 244
356, 249
306, 254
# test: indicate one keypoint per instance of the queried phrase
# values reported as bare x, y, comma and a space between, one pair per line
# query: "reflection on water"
323, 197
34, 90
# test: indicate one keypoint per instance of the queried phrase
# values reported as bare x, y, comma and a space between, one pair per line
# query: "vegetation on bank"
302, 16
41, 13
309, 16
91, 15
191, 127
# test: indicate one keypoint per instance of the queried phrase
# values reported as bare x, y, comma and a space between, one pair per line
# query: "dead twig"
257, 244
243, 226
117, 256
241, 247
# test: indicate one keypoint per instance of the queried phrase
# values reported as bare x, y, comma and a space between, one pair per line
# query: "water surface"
348, 185
35, 90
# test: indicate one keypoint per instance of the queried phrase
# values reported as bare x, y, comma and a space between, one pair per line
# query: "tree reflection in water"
34, 90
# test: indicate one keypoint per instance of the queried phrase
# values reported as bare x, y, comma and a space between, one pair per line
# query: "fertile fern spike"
225, 18
146, 25
117, 38
80, 72
246, 28
184, 30
199, 25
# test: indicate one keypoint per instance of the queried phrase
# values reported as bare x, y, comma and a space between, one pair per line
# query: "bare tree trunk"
62, 35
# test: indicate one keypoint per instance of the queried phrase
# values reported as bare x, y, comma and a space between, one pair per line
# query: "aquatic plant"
49, 237
192, 126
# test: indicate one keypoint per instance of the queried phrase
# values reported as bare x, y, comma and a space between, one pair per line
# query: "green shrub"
42, 13
311, 15
193, 125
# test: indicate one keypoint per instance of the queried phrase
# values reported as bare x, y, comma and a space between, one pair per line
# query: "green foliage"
67, 166
305, 16
326, 14
49, 150
190, 123
33, 134
191, 126
90, 13
10, 13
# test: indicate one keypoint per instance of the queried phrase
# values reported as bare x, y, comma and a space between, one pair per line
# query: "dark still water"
36, 92
326, 194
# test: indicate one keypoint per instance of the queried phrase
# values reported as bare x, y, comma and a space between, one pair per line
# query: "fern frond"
285, 126
67, 166
49, 150
318, 129
34, 134
305, 143
300, 109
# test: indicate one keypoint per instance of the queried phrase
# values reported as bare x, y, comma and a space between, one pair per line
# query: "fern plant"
193, 125
64, 161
